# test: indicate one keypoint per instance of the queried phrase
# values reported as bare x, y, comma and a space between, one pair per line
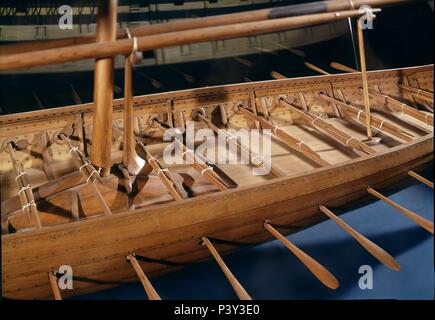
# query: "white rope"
206, 169
348, 140
403, 107
134, 47
258, 158
300, 143
84, 165
418, 92
274, 130
231, 138
20, 175
92, 173
30, 204
382, 123
23, 189
357, 117
76, 149
186, 152
314, 120
162, 170
352, 5
425, 118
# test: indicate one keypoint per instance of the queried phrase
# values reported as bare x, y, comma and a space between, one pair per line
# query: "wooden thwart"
240, 291
418, 93
422, 222
319, 271
149, 289
371, 247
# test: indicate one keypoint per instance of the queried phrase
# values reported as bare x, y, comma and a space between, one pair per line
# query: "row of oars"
317, 269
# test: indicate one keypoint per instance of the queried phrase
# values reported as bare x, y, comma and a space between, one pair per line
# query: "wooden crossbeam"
294, 144
421, 179
319, 271
238, 288
422, 222
25, 192
403, 107
371, 247
149, 289
54, 285
379, 124
317, 123
256, 159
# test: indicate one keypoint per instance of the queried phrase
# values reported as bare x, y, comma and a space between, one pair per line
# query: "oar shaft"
423, 222
54, 286
319, 271
421, 179
240, 291
149, 289
371, 247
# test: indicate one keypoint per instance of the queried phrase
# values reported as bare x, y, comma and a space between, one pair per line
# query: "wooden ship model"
87, 185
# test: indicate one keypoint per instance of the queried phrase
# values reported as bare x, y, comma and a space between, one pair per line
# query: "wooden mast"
364, 72
103, 89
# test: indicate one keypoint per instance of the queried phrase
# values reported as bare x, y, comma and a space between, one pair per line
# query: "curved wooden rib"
54, 285
293, 143
316, 268
371, 247
422, 222
149, 289
421, 179
240, 291
377, 123
317, 123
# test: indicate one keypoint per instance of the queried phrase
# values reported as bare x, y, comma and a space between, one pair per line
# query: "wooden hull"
96, 247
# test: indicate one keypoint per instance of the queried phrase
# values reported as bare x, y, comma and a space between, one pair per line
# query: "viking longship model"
88, 185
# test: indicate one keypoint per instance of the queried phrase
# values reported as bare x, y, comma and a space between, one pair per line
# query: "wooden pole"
205, 22
421, 179
364, 77
149, 289
54, 285
319, 271
103, 89
146, 43
371, 247
130, 158
240, 291
422, 222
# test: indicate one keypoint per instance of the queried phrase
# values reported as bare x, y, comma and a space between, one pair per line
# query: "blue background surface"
270, 271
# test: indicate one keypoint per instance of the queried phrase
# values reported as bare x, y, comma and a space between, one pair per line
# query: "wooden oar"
371, 247
315, 68
342, 67
421, 179
316, 268
240, 291
54, 285
149, 289
277, 75
423, 222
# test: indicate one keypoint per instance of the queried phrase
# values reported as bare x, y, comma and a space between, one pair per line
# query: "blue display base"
270, 271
